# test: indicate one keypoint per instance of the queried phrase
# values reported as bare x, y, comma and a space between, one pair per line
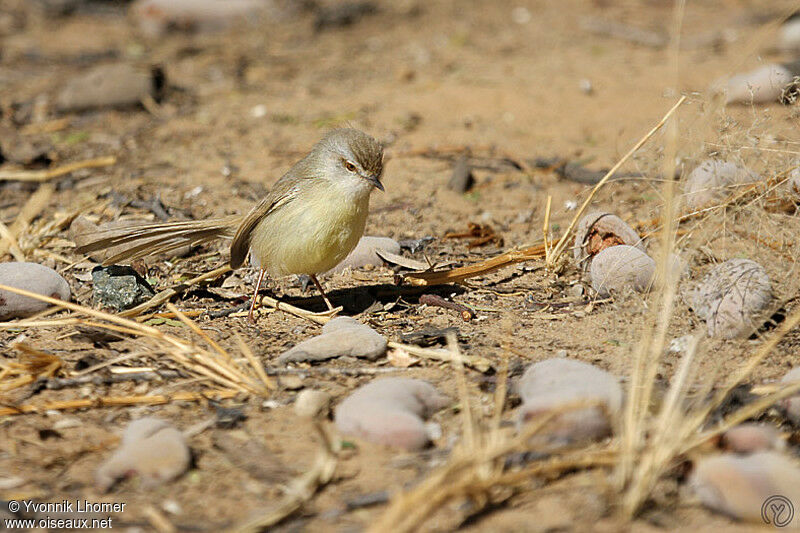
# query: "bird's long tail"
149, 239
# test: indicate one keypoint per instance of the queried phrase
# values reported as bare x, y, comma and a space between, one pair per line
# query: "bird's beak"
376, 182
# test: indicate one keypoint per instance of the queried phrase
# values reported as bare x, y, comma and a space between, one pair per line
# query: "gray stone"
364, 253
732, 297
156, 17
152, 449
115, 85
762, 85
621, 268
390, 411
342, 336
557, 383
119, 287
713, 180
31, 277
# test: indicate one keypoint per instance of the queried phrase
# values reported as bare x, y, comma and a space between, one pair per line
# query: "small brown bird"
308, 223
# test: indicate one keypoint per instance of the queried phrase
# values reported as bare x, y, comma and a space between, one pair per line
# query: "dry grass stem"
50, 173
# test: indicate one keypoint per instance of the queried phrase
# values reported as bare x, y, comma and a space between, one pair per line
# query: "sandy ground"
243, 105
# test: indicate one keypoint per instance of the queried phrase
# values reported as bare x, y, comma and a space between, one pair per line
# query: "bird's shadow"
356, 300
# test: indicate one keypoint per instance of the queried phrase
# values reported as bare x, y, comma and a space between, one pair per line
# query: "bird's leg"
255, 295
321, 291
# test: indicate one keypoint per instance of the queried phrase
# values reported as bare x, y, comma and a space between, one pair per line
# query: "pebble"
554, 383
312, 403
598, 231
739, 485
462, 179
151, 448
713, 180
364, 253
789, 35
390, 411
791, 405
762, 85
731, 298
751, 438
621, 268
156, 17
115, 85
342, 336
30, 277
119, 287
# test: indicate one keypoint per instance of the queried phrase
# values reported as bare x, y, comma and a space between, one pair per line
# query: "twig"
48, 174
546, 228
457, 275
480, 364
35, 204
115, 401
150, 375
466, 313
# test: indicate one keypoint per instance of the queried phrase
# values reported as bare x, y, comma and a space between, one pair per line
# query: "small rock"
713, 180
791, 405
415, 245
556, 383
764, 84
119, 287
364, 253
740, 485
732, 297
598, 231
752, 438
789, 34
156, 17
291, 382
621, 268
390, 411
116, 85
151, 448
31, 277
311, 403
462, 179
343, 14
21, 150
342, 336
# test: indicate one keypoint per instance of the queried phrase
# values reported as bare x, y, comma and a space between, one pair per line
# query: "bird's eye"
349, 166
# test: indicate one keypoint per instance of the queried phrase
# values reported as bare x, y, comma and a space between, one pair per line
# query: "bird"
310, 220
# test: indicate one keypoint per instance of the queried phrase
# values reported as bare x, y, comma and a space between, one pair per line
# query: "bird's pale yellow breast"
312, 233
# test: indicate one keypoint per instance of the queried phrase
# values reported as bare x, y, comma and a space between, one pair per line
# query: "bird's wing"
281, 194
